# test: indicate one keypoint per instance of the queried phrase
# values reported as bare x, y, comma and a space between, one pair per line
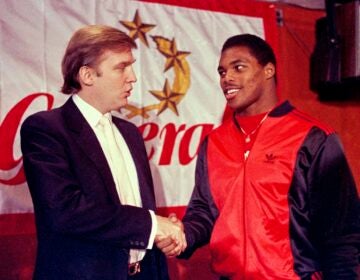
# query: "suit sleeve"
68, 204
201, 212
334, 211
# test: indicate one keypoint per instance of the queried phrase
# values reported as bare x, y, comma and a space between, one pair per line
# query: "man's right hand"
170, 236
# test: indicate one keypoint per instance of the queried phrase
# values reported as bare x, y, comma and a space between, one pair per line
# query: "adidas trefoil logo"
270, 158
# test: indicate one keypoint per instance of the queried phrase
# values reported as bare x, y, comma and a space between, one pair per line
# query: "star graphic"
137, 28
174, 58
168, 99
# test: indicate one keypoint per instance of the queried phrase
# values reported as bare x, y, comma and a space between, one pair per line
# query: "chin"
233, 105
122, 104
117, 107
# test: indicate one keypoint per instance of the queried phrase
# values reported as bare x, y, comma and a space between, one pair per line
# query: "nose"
228, 77
132, 76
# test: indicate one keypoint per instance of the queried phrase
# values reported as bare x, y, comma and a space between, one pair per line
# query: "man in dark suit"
93, 198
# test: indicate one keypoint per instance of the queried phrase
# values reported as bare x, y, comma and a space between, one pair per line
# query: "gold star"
174, 58
137, 28
168, 99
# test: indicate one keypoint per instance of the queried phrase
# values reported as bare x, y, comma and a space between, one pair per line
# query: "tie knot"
104, 121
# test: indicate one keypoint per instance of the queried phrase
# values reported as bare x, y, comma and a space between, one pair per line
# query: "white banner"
176, 101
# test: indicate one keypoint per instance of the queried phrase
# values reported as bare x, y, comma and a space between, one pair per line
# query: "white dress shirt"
131, 193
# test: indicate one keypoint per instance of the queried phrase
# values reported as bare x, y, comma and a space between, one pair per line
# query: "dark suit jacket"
83, 230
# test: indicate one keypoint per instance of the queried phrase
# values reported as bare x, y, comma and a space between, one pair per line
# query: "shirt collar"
91, 114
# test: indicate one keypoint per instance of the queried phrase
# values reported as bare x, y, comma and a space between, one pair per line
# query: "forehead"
116, 56
237, 53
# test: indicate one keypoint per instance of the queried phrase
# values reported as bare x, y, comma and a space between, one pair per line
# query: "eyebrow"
125, 63
232, 63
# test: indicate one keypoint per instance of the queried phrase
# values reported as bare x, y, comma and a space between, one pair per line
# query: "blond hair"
86, 47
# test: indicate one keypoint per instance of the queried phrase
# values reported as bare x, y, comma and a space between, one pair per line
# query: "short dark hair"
86, 47
258, 47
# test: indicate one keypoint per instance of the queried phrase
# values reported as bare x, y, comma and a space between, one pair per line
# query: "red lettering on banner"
152, 131
170, 134
8, 130
184, 156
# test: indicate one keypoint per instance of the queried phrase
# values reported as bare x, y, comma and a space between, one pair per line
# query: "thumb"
173, 218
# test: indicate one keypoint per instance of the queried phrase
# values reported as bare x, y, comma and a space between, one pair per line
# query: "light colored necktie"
117, 163
120, 174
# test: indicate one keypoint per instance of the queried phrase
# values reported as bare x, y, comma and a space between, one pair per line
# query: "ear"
86, 75
269, 70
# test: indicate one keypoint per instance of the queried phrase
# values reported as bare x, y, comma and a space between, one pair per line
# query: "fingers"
170, 237
175, 251
164, 242
169, 246
174, 219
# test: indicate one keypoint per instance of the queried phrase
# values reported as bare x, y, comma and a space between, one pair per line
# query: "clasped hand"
170, 236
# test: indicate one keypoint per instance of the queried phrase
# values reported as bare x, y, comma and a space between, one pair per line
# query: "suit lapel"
86, 141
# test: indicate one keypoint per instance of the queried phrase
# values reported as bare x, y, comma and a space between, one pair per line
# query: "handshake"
170, 236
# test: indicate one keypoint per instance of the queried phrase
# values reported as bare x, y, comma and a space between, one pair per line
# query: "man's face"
113, 80
243, 80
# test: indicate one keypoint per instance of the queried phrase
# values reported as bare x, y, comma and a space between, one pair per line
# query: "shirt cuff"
153, 230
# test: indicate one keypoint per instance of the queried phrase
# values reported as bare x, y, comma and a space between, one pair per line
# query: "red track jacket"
290, 211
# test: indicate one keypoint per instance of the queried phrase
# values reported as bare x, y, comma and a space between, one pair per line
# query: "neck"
265, 104
89, 98
257, 110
